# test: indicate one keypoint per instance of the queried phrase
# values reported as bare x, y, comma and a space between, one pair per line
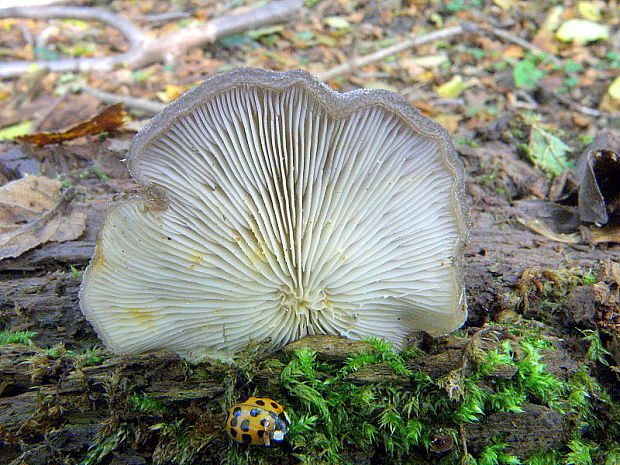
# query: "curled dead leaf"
598, 171
545, 229
110, 118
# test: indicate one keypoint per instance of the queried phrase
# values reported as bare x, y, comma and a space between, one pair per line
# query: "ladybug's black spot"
275, 406
260, 402
254, 412
233, 432
235, 416
264, 423
245, 425
246, 438
260, 433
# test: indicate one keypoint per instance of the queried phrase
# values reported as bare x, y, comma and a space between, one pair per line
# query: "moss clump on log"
498, 394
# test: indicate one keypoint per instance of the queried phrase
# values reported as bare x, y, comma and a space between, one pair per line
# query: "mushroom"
274, 207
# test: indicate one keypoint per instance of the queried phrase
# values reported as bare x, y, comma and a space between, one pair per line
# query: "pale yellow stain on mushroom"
98, 261
257, 247
196, 259
142, 316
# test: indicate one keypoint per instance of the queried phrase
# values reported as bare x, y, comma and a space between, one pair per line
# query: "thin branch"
134, 36
170, 16
131, 32
574, 105
464, 28
22, 3
509, 37
143, 50
148, 106
358, 62
440, 34
349, 66
58, 209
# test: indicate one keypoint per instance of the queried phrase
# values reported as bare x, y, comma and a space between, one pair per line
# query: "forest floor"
530, 93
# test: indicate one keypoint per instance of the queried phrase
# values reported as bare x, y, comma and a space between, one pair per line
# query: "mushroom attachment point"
273, 208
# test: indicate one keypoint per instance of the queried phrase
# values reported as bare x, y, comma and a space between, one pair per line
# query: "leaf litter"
33, 210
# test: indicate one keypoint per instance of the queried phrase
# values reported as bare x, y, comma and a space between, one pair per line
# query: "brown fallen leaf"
544, 229
610, 233
108, 119
33, 211
24, 200
598, 171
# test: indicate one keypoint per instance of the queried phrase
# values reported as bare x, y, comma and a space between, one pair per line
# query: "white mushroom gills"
277, 217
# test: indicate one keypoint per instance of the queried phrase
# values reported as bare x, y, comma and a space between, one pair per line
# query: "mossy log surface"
53, 407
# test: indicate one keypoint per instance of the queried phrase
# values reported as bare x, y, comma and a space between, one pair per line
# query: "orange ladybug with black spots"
258, 420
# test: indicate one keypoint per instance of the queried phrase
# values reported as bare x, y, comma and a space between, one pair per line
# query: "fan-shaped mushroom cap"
277, 208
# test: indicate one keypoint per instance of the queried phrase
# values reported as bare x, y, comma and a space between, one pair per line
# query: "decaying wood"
41, 390
328, 348
536, 428
143, 50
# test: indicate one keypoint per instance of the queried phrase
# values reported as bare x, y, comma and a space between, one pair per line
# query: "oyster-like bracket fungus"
273, 208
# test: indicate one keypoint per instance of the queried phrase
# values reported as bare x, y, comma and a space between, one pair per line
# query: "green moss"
16, 337
144, 403
332, 418
494, 454
580, 453
336, 421
107, 440
596, 351
544, 458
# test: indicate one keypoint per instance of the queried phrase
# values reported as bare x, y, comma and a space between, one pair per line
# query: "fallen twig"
133, 34
382, 54
509, 37
148, 106
414, 41
574, 105
143, 50
355, 63
464, 28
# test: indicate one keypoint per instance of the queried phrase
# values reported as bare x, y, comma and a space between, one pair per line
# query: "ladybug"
258, 420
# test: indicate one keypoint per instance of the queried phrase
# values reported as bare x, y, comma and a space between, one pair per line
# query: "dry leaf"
453, 88
108, 119
553, 19
544, 229
581, 31
513, 51
426, 61
171, 92
25, 199
448, 121
32, 212
598, 170
590, 11
605, 234
614, 89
